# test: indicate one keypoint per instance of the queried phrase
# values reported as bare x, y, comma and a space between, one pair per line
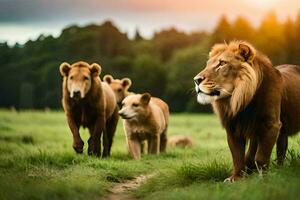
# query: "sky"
21, 20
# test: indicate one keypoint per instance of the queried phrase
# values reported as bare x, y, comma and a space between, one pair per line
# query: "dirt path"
120, 190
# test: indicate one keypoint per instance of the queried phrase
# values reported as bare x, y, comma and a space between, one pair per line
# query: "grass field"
38, 162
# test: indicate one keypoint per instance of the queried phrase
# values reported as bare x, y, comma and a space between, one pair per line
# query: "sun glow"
263, 3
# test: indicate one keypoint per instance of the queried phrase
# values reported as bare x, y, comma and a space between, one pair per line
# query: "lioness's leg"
96, 137
90, 140
153, 144
110, 132
281, 147
77, 141
237, 147
266, 142
250, 156
134, 147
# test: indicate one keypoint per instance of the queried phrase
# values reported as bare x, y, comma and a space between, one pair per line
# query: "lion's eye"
86, 78
220, 65
135, 105
222, 62
119, 90
71, 77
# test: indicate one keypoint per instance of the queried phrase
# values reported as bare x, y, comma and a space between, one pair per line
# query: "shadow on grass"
25, 139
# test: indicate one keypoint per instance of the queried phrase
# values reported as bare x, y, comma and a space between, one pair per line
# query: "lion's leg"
281, 147
153, 143
250, 156
237, 148
134, 147
266, 142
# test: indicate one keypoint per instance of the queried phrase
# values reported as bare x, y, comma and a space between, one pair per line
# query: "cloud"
43, 10
147, 15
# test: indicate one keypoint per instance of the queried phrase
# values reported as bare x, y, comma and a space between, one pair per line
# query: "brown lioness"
254, 101
145, 118
90, 103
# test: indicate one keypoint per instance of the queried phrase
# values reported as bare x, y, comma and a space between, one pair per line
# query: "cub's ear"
64, 68
95, 69
145, 98
108, 79
126, 83
246, 52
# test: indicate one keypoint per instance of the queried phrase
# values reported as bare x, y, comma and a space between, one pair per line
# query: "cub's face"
135, 106
79, 77
120, 87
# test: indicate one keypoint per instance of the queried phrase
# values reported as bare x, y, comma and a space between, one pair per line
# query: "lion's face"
79, 77
229, 73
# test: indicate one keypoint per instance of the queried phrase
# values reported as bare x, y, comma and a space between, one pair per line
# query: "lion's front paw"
78, 146
232, 178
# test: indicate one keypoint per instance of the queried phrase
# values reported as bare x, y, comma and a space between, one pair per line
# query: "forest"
163, 65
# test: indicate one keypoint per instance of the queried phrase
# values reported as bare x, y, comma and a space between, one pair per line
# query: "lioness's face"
134, 106
79, 77
221, 75
79, 82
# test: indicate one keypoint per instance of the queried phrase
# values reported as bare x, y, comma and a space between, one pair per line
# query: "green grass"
38, 162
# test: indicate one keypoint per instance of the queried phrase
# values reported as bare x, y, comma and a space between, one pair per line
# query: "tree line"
163, 65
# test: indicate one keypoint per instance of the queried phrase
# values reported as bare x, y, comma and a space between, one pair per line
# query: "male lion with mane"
254, 102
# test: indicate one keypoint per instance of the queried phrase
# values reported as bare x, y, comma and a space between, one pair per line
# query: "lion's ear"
246, 52
145, 98
95, 69
64, 68
108, 79
126, 83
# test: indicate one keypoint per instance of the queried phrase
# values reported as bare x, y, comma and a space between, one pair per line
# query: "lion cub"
120, 87
145, 118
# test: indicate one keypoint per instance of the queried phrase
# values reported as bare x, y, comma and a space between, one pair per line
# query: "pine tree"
137, 36
270, 38
223, 31
290, 41
296, 58
242, 30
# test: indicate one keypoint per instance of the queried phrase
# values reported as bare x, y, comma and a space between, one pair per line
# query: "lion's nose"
76, 93
198, 79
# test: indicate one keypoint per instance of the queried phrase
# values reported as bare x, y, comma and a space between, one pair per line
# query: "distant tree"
296, 59
222, 32
5, 54
137, 36
168, 41
182, 67
148, 75
270, 39
290, 40
242, 30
